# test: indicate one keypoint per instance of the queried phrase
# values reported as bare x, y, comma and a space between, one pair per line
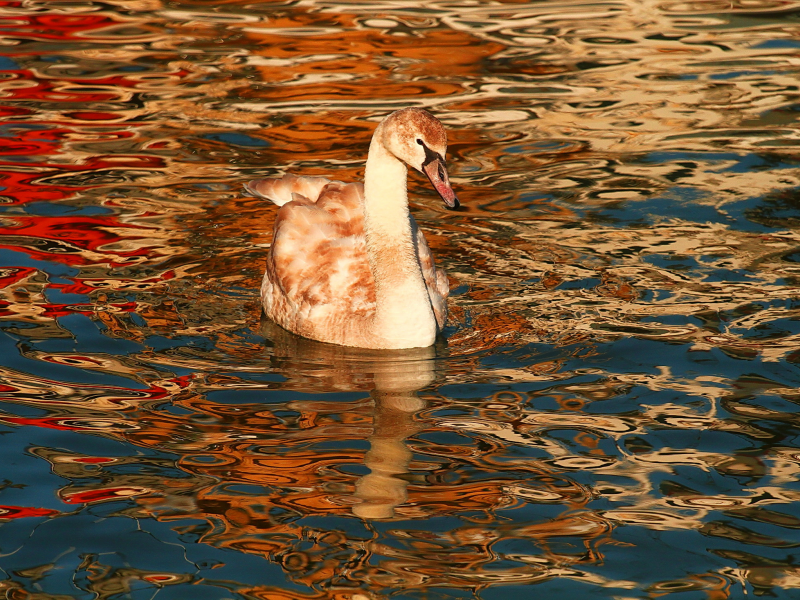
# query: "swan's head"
417, 138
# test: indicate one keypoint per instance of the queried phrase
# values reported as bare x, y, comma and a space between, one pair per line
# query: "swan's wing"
317, 266
435, 278
282, 190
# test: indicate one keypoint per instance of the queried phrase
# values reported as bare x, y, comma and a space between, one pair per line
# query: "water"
613, 412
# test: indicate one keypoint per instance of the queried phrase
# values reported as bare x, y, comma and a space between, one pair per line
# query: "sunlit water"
613, 411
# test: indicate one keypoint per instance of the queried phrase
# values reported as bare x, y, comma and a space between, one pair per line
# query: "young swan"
348, 264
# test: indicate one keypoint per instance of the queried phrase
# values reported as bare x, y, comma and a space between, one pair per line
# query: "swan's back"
318, 281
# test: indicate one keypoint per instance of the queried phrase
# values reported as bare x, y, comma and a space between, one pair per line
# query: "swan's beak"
436, 171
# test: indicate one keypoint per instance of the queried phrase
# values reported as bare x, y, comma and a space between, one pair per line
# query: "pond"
612, 411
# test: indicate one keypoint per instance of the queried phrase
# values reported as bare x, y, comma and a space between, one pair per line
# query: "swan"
348, 264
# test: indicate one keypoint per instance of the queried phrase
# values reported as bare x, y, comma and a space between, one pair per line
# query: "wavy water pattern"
612, 412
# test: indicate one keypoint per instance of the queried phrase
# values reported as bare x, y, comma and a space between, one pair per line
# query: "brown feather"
318, 281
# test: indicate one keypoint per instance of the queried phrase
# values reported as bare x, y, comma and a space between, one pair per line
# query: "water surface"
612, 412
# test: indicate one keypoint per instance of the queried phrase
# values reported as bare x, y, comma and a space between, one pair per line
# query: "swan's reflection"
393, 378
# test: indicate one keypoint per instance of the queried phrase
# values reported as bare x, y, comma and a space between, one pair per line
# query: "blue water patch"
58, 272
247, 489
28, 480
237, 139
352, 444
661, 158
49, 371
693, 205
777, 44
60, 209
743, 73
159, 343
6, 64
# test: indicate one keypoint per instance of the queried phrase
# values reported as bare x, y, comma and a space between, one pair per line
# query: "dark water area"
613, 411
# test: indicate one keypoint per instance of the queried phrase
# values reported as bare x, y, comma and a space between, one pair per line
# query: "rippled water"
613, 412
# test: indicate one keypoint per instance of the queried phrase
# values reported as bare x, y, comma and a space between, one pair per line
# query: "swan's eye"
420, 142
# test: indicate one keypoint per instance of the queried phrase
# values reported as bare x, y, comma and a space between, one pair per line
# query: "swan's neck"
403, 316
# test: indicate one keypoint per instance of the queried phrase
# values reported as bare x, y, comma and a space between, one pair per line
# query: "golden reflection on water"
630, 175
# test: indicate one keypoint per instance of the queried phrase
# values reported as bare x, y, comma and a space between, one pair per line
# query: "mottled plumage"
320, 278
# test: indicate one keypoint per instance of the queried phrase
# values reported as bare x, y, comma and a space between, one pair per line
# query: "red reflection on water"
19, 512
93, 460
98, 495
51, 26
12, 275
20, 187
14, 111
72, 236
46, 89
28, 142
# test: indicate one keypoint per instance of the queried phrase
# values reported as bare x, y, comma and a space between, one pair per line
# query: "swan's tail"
280, 191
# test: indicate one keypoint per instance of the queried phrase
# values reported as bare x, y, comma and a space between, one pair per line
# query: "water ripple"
618, 382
